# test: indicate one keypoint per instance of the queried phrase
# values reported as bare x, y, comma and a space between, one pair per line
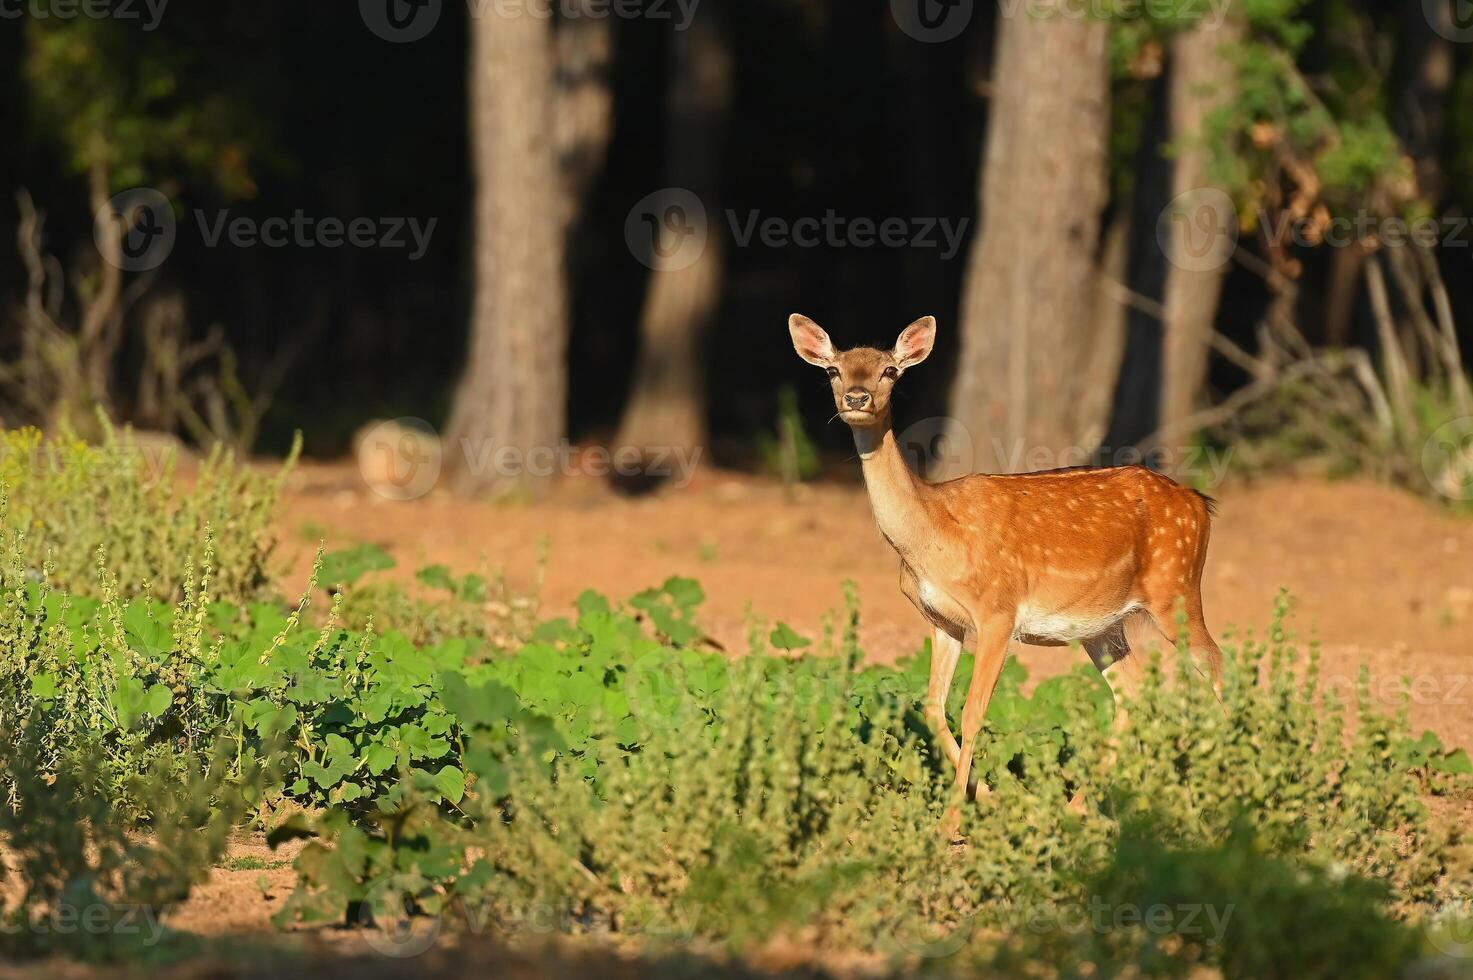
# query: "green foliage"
79, 879
475, 607
1233, 905
123, 502
615, 773
114, 96
1325, 134
623, 781
340, 569
790, 453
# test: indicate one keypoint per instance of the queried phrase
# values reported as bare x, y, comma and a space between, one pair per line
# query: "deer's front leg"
993, 633
945, 651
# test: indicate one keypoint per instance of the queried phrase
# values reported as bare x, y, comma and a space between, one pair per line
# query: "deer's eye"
833, 372
892, 373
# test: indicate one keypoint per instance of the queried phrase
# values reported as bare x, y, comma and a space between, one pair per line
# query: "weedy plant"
78, 879
611, 772
616, 778
70, 500
477, 606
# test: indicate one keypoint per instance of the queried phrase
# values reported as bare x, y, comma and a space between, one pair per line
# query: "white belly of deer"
1064, 627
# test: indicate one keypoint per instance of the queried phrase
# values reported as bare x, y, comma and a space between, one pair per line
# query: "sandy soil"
1380, 578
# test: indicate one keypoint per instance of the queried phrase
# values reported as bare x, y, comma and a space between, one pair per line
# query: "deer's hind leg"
1112, 656
1205, 654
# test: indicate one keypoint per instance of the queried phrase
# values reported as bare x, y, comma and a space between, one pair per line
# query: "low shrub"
121, 500
79, 879
615, 777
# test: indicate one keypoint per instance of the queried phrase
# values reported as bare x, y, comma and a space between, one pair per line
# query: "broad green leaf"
450, 781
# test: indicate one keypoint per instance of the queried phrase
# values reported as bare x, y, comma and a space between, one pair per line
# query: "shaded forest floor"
1380, 578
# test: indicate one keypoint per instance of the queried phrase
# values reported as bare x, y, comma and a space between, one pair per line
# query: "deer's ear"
809, 340
914, 344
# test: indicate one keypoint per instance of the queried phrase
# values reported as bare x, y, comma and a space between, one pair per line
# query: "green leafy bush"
70, 502
620, 780
444, 606
79, 879
1234, 905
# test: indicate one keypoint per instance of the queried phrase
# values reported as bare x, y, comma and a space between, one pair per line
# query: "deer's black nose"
856, 398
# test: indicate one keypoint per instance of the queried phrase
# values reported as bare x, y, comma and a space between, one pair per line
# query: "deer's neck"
894, 491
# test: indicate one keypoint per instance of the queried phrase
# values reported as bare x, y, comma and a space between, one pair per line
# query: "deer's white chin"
859, 418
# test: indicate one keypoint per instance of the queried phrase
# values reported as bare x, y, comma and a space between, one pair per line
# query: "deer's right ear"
809, 340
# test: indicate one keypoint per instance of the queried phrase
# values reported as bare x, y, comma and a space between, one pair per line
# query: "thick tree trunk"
510, 410
1201, 78
666, 414
1031, 279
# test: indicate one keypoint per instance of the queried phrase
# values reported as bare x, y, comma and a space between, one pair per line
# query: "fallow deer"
1047, 558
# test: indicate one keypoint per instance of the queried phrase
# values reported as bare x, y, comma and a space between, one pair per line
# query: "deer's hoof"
951, 826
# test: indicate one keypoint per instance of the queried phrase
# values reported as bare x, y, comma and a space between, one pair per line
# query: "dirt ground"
1379, 577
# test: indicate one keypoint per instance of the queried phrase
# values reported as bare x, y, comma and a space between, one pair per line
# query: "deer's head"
863, 378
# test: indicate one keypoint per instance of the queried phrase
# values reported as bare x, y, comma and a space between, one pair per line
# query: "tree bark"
1201, 78
510, 409
583, 114
666, 413
1031, 277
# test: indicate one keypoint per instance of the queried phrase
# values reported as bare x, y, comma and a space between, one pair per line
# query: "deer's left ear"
915, 342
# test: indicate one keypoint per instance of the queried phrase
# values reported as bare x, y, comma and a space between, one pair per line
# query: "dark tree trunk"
666, 414
1032, 274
